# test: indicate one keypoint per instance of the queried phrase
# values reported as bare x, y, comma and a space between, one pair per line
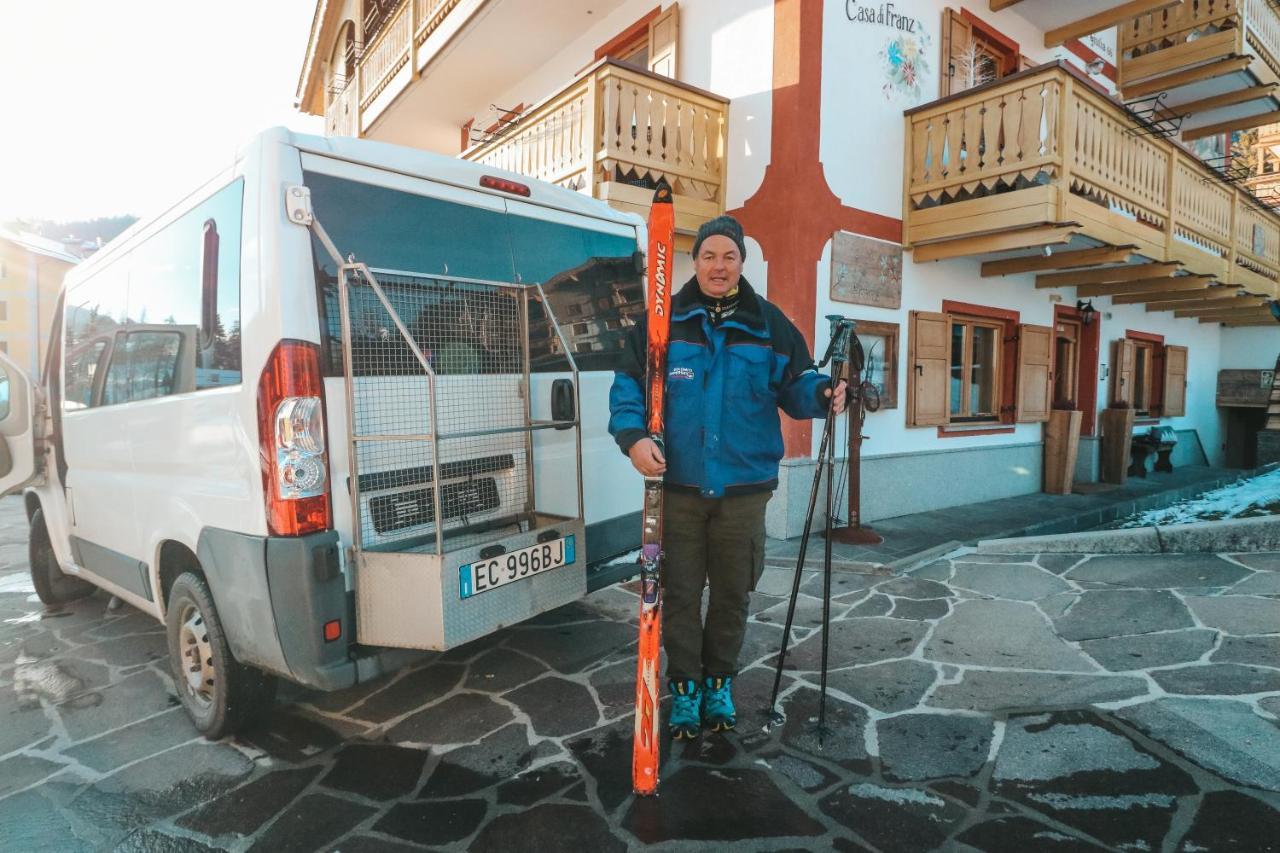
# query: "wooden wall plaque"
866, 271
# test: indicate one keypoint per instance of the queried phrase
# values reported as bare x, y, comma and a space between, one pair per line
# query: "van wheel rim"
196, 656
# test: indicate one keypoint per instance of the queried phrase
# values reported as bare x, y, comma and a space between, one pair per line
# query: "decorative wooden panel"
1035, 351
1175, 382
929, 361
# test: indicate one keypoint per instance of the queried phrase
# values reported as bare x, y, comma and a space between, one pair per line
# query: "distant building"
31, 272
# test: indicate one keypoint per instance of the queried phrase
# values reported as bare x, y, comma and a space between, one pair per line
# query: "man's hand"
647, 458
841, 398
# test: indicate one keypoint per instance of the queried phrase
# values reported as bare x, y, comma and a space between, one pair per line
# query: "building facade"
31, 272
1029, 206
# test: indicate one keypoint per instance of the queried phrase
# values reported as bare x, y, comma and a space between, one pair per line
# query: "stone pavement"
1013, 703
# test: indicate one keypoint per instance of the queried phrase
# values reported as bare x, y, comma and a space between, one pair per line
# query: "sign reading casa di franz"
883, 14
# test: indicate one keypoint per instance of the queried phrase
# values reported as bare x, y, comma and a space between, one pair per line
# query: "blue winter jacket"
725, 385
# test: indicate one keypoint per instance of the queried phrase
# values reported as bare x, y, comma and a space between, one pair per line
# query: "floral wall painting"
865, 271
906, 63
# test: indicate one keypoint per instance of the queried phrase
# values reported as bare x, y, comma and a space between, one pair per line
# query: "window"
1148, 375
82, 367
428, 236
650, 44
4, 311
972, 365
975, 377
974, 52
143, 367
184, 278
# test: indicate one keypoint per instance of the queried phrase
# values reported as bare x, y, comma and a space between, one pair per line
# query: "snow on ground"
1244, 498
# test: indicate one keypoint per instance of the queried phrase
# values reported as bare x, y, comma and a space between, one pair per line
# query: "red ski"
644, 755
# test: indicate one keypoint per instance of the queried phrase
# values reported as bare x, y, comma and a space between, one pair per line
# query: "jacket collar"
749, 315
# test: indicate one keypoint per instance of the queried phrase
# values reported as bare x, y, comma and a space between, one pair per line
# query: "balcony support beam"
1110, 275
1263, 321
1150, 285
1190, 296
1228, 99
1224, 313
1004, 241
1210, 304
1059, 261
1105, 20
1185, 78
1233, 125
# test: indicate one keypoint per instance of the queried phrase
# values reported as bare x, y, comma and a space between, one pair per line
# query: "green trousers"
715, 543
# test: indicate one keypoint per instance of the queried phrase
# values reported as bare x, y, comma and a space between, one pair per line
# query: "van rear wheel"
222, 695
52, 584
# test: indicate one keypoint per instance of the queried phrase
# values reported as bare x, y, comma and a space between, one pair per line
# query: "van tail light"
295, 464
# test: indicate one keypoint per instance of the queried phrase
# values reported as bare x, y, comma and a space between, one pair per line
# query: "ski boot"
685, 721
717, 704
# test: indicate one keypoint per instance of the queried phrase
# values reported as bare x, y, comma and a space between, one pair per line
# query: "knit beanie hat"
725, 226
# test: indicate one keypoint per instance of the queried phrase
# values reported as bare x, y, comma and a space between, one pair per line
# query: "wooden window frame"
1153, 378
1007, 359
627, 42
1005, 48
969, 323
890, 333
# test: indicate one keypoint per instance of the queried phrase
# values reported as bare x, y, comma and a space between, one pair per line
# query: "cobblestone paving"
1036, 703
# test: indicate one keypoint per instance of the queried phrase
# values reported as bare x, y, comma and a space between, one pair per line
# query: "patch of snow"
1243, 498
867, 791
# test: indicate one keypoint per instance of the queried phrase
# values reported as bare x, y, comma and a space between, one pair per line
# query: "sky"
123, 107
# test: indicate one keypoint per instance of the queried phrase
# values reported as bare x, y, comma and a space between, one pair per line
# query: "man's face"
718, 265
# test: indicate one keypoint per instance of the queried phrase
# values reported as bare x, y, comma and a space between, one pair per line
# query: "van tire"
221, 695
53, 585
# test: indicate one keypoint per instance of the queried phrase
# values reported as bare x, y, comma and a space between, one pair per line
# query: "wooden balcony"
613, 132
1214, 64
1044, 161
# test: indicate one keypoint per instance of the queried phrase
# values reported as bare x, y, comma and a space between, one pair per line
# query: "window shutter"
957, 33
1175, 382
664, 39
1035, 346
1123, 357
929, 361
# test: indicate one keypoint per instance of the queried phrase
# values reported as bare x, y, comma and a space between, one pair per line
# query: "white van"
256, 405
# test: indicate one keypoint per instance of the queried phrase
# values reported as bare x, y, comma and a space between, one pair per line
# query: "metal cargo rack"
452, 533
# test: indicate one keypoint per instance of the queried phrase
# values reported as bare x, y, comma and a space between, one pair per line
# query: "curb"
1224, 536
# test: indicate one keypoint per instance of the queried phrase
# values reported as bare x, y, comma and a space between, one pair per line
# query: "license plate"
484, 575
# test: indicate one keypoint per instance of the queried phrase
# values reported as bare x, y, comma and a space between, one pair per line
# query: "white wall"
1250, 347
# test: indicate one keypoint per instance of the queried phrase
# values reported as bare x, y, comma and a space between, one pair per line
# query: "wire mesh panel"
440, 417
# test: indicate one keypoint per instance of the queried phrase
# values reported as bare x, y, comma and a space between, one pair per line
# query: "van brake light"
503, 185
292, 441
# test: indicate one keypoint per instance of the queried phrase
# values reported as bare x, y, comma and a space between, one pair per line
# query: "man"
733, 360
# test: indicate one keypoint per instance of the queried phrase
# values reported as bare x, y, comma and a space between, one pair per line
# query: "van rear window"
589, 277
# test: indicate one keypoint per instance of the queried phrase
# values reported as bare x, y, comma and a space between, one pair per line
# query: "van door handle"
563, 407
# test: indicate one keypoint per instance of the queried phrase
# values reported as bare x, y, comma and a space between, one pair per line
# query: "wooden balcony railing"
342, 117
392, 48
387, 54
615, 130
1045, 153
1195, 33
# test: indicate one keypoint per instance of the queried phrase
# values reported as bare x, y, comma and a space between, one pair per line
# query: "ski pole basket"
465, 488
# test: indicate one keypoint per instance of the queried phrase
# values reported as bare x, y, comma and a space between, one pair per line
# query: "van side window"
186, 276
82, 367
145, 367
